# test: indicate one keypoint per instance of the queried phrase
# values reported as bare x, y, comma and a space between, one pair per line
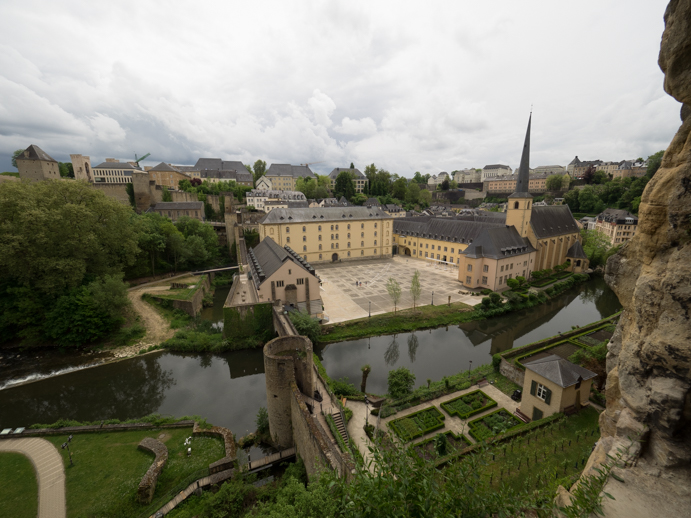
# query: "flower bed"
417, 424
492, 424
426, 449
469, 404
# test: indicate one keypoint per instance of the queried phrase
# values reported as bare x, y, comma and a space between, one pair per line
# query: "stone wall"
147, 486
192, 306
287, 360
116, 191
253, 320
226, 435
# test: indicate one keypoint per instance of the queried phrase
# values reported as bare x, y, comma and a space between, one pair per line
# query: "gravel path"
157, 328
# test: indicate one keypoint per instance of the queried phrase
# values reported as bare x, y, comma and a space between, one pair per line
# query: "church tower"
520, 203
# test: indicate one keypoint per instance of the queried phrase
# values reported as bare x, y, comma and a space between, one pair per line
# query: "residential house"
284, 177
167, 175
214, 170
617, 225
553, 384
259, 198
492, 171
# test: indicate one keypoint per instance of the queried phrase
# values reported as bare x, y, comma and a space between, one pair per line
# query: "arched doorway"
334, 258
406, 251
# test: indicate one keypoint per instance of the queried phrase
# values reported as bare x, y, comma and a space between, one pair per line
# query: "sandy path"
157, 328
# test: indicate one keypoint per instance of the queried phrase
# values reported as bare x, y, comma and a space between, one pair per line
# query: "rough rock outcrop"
649, 360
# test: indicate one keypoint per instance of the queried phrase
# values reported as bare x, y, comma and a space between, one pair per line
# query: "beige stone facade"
113, 171
618, 226
176, 210
81, 165
37, 165
537, 183
486, 272
167, 175
331, 234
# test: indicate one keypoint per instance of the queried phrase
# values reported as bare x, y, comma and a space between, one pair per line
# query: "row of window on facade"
362, 234
333, 227
362, 243
362, 252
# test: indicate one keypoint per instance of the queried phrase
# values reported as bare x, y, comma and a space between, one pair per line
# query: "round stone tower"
287, 359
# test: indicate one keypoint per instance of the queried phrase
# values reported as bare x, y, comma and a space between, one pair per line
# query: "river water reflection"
227, 389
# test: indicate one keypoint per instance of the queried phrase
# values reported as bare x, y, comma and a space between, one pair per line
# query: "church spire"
523, 181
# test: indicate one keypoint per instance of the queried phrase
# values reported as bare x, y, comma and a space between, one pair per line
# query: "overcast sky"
410, 86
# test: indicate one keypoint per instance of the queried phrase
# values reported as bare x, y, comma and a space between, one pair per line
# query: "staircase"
340, 426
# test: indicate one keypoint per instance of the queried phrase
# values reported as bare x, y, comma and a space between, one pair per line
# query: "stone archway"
334, 258
406, 251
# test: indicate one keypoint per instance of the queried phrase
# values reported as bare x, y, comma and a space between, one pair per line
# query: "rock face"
649, 359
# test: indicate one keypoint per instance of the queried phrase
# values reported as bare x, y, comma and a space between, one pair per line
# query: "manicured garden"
108, 467
492, 424
432, 448
417, 424
18, 486
469, 404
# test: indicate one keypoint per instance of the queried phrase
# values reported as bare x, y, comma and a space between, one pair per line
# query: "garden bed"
492, 424
427, 449
417, 424
469, 404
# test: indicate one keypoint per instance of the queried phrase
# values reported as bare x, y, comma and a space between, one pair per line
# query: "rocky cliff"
649, 359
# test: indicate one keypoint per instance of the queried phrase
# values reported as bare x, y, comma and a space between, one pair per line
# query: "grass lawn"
422, 317
108, 468
18, 486
548, 456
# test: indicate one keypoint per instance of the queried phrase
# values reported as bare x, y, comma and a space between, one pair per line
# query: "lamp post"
370, 309
433, 298
470, 366
366, 411
67, 445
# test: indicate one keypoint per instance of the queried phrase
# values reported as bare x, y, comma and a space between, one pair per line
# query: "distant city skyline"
444, 87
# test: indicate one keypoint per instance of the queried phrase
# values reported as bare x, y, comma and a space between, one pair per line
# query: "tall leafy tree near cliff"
57, 240
344, 185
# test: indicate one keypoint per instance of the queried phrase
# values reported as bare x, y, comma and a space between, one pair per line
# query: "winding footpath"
49, 473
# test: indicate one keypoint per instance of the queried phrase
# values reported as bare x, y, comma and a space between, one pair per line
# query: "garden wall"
516, 373
248, 320
67, 430
192, 306
147, 486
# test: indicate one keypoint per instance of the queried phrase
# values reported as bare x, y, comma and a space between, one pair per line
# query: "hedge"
479, 430
418, 423
461, 437
462, 406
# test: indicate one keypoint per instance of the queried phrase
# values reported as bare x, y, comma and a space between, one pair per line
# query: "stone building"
35, 164
537, 183
576, 258
553, 384
167, 175
263, 184
359, 179
81, 165
258, 198
175, 210
331, 234
617, 225
494, 170
114, 171
630, 169
280, 274
550, 169
214, 170
283, 177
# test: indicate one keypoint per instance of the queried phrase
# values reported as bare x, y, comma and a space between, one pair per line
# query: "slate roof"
322, 214
498, 243
220, 165
496, 166
186, 168
267, 257
289, 170
298, 204
165, 167
560, 371
179, 205
338, 170
442, 229
575, 161
485, 215
551, 221
116, 165
274, 194
372, 202
576, 251
33, 152
616, 216
226, 174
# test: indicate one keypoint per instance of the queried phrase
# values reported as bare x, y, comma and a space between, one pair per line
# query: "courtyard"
343, 300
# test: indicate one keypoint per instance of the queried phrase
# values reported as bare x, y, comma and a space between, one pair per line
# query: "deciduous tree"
394, 290
415, 288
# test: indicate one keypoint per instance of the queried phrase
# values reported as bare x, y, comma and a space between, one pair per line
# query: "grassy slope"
422, 317
18, 486
108, 468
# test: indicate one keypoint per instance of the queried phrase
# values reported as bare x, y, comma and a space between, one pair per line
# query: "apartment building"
617, 225
284, 177
113, 171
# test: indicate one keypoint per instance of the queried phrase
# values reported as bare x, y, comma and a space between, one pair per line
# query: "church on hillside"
534, 238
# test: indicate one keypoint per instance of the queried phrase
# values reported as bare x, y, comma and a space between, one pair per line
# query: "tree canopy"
344, 185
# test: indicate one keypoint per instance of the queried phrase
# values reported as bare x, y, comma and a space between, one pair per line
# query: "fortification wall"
115, 191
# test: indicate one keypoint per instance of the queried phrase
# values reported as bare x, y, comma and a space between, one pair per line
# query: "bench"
522, 416
482, 382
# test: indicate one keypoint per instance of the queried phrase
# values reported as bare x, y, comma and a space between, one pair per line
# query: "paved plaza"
343, 300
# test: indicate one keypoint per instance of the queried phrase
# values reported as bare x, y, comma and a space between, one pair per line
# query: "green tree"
166, 196
344, 185
400, 381
259, 169
306, 325
445, 185
412, 194
16, 155
352, 166
554, 182
600, 177
306, 186
358, 199
394, 290
512, 283
151, 238
262, 421
453, 185
588, 200
415, 288
425, 198
66, 169
595, 246
193, 227
654, 163
399, 188
571, 199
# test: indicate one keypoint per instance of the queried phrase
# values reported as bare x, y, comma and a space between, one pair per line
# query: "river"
227, 389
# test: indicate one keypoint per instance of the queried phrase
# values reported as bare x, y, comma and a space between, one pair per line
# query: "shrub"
496, 362
486, 291
342, 387
417, 424
495, 297
262, 421
401, 382
306, 325
486, 302
468, 404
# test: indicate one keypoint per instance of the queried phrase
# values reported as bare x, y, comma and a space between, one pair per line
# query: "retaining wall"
192, 306
226, 435
67, 430
147, 486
